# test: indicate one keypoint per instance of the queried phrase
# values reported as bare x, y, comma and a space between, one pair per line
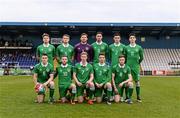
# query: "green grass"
161, 98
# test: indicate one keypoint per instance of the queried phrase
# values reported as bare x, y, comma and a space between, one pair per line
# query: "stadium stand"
159, 59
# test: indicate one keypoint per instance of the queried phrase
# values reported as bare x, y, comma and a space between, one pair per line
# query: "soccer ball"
39, 88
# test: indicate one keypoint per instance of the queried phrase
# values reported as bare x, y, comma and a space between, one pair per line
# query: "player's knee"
80, 99
137, 84
99, 99
51, 85
63, 100
91, 86
116, 98
130, 84
109, 87
73, 86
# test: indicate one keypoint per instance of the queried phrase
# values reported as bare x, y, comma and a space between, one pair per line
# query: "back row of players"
96, 78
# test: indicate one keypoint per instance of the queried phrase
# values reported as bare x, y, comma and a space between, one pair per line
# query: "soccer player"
65, 49
102, 79
83, 46
99, 47
43, 75
83, 76
121, 76
115, 50
134, 56
64, 72
46, 48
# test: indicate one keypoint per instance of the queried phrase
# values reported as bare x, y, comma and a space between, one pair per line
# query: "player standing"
65, 49
46, 48
99, 47
134, 56
83, 46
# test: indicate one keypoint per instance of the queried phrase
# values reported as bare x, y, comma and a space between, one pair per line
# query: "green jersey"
65, 50
97, 49
121, 73
102, 73
43, 72
49, 50
115, 50
134, 56
64, 73
83, 72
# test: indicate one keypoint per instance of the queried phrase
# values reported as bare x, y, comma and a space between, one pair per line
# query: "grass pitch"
160, 95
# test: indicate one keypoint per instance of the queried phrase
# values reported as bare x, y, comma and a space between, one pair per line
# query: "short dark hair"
99, 33
122, 56
45, 34
101, 54
132, 34
63, 56
44, 54
116, 34
84, 34
67, 35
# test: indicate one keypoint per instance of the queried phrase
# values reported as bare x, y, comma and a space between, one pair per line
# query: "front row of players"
94, 81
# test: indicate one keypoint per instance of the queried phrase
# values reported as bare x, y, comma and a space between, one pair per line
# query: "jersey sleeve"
54, 52
91, 69
35, 70
37, 52
75, 69
57, 54
128, 70
107, 53
109, 75
141, 55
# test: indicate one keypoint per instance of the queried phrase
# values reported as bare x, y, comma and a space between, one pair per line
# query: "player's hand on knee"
100, 85
79, 83
121, 84
97, 85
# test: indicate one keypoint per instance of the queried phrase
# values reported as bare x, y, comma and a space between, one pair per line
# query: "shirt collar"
83, 43
82, 64
44, 65
46, 45
117, 44
64, 66
65, 45
132, 45
121, 66
101, 64
99, 43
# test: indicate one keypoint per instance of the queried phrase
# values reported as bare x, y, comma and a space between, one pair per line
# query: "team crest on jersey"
136, 50
125, 71
47, 69
68, 70
49, 49
102, 48
121, 49
104, 70
87, 48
